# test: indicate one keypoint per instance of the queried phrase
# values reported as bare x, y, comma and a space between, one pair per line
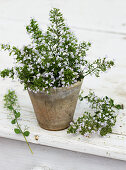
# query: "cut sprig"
100, 120
11, 104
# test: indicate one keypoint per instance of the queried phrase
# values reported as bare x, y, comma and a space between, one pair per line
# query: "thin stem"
22, 131
24, 137
88, 72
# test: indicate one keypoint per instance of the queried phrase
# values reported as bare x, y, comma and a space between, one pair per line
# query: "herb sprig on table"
11, 104
100, 121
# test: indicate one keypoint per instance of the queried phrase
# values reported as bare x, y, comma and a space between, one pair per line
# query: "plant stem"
24, 137
90, 71
21, 131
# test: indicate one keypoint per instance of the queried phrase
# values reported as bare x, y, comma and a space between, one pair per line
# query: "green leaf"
80, 98
10, 107
26, 133
17, 131
17, 114
105, 130
85, 97
118, 106
13, 121
111, 102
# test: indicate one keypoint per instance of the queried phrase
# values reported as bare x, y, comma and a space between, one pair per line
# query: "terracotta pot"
55, 111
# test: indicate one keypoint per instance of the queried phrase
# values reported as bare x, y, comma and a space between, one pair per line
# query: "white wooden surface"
112, 146
15, 156
103, 22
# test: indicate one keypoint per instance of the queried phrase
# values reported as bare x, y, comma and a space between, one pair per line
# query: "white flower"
93, 131
48, 64
38, 75
59, 64
55, 46
102, 123
64, 53
112, 121
71, 123
63, 82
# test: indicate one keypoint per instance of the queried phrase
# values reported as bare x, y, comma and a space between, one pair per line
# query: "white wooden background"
103, 22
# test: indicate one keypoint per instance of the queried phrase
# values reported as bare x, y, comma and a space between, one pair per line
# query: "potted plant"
52, 68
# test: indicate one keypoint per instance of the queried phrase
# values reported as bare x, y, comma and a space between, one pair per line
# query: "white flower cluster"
53, 59
101, 121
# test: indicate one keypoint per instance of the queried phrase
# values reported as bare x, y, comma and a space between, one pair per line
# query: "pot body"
55, 111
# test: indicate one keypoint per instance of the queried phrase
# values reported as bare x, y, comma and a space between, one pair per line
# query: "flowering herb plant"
53, 58
100, 121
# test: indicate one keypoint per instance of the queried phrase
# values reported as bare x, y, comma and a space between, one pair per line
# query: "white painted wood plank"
98, 15
111, 146
14, 155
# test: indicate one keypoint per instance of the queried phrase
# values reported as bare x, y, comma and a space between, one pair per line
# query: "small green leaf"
26, 133
106, 97
10, 107
17, 131
13, 121
118, 106
85, 97
80, 98
17, 114
105, 130
111, 102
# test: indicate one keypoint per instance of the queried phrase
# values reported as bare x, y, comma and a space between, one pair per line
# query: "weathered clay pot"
55, 111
